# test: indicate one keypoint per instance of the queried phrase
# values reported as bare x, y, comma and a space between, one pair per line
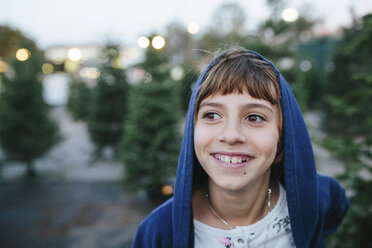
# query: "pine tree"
109, 103
279, 40
26, 130
80, 99
149, 146
275, 39
9, 41
184, 86
348, 121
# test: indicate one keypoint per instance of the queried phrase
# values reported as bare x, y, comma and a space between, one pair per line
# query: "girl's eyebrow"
258, 105
213, 104
248, 105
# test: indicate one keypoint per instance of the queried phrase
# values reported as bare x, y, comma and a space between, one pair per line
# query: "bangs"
239, 74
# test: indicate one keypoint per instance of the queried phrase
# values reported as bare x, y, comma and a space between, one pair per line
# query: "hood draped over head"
299, 179
316, 204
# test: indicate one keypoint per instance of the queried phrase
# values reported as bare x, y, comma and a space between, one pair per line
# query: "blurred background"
93, 96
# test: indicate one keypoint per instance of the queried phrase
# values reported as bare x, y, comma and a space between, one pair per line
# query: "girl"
246, 173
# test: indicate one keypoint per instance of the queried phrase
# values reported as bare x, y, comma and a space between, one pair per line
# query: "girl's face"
235, 139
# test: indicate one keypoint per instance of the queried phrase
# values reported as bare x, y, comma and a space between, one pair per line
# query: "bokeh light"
47, 68
138, 74
158, 42
74, 54
305, 65
143, 42
177, 73
193, 28
23, 54
290, 14
117, 62
329, 66
71, 66
3, 66
147, 78
167, 190
89, 72
286, 63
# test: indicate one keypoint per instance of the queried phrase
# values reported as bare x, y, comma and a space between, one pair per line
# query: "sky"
93, 22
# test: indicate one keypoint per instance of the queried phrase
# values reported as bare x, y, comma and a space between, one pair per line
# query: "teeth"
233, 160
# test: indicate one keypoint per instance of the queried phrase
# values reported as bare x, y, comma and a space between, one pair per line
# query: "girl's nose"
232, 133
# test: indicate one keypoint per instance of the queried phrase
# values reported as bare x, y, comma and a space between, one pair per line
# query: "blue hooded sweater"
316, 204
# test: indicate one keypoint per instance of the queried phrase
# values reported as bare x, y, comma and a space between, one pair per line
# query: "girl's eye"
255, 118
211, 116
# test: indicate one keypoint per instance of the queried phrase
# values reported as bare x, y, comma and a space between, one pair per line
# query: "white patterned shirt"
279, 235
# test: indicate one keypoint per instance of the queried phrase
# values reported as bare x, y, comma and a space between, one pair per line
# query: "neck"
243, 207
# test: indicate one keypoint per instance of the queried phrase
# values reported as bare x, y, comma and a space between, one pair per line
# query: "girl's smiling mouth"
232, 160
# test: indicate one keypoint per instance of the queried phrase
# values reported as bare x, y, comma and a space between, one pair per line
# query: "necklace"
227, 240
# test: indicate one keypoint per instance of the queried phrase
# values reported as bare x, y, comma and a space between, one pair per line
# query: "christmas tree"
26, 130
109, 102
275, 38
185, 84
79, 100
150, 142
348, 121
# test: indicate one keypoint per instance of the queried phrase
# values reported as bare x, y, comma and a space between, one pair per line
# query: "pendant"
227, 241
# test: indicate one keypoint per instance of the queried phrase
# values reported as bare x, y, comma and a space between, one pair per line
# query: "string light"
47, 68
167, 190
3, 66
158, 42
74, 54
290, 14
193, 28
143, 42
23, 54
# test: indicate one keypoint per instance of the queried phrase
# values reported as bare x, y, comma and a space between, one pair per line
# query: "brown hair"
237, 71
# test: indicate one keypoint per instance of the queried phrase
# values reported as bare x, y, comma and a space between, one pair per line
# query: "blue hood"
316, 204
300, 177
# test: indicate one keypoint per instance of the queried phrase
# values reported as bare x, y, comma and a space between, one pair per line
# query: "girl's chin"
231, 184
